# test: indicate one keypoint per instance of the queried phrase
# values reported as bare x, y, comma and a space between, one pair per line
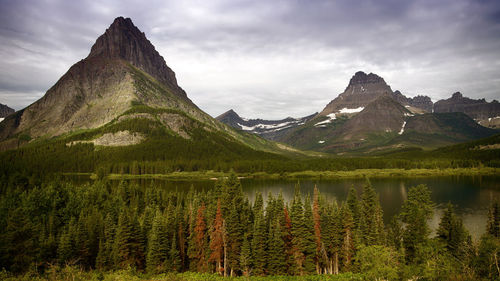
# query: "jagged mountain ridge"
269, 129
485, 113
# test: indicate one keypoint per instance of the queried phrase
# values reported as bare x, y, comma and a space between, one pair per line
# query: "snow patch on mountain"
402, 128
351, 110
330, 116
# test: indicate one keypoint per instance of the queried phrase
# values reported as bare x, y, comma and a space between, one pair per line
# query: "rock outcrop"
5, 111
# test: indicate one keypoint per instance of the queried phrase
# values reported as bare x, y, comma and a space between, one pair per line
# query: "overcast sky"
265, 59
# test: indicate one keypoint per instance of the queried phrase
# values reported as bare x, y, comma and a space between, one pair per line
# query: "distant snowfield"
351, 110
271, 127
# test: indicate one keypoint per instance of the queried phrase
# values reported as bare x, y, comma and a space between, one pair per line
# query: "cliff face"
123, 40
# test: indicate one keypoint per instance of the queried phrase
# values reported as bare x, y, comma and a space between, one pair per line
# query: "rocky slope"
485, 113
5, 111
269, 129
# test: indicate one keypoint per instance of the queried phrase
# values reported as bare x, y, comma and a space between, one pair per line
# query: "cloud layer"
267, 59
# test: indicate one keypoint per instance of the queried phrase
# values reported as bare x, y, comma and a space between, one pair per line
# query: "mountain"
122, 67
365, 88
122, 103
485, 113
418, 103
269, 129
5, 111
368, 117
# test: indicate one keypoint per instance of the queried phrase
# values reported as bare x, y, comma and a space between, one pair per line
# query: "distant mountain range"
269, 129
369, 117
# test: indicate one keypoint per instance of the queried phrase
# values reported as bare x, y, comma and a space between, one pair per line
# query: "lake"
470, 195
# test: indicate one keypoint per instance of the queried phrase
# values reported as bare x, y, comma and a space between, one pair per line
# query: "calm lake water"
470, 195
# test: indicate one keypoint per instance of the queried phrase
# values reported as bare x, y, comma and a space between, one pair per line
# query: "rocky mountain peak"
361, 78
123, 40
457, 95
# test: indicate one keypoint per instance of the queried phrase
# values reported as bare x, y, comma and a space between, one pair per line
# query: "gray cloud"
266, 59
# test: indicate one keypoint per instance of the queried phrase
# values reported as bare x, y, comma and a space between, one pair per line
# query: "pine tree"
452, 232
66, 248
298, 231
157, 254
200, 241
259, 244
317, 230
246, 256
415, 212
309, 238
174, 257
277, 260
353, 203
371, 222
217, 241
291, 266
128, 243
348, 247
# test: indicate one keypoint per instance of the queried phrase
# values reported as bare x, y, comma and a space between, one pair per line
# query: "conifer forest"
59, 230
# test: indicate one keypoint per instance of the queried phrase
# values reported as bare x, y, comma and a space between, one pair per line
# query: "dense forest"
147, 230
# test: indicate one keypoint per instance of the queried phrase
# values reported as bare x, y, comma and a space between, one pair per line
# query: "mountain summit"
362, 89
123, 40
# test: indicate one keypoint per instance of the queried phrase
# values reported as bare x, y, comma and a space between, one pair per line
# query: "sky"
265, 59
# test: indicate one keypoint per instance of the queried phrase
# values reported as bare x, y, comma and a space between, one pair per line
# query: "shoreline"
360, 173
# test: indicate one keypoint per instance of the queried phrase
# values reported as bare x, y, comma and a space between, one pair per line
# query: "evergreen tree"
371, 222
415, 212
246, 256
298, 231
217, 241
157, 255
348, 246
174, 257
291, 267
128, 243
259, 244
353, 203
309, 238
317, 231
453, 234
277, 260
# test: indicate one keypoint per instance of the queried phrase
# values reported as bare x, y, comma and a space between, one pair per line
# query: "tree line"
100, 227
